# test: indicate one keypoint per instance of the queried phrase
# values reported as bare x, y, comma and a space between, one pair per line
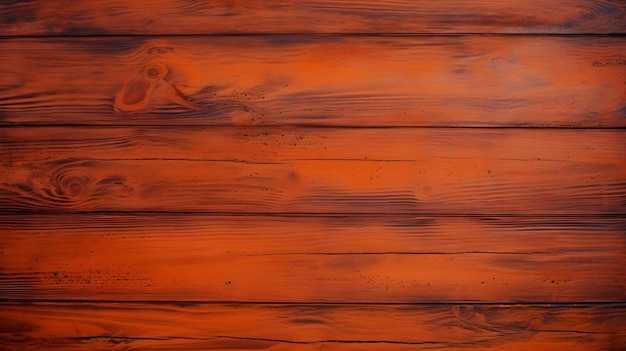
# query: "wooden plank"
315, 80
326, 170
312, 259
288, 143
105, 326
99, 17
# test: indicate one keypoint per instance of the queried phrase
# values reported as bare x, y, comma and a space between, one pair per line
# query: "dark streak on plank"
188, 17
342, 327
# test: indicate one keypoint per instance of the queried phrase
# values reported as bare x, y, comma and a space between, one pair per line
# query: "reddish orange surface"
474, 81
102, 17
340, 175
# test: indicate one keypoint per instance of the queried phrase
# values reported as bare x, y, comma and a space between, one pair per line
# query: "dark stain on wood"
251, 17
17, 12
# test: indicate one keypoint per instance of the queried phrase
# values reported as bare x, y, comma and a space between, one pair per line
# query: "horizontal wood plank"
312, 259
105, 17
289, 143
326, 170
105, 326
315, 80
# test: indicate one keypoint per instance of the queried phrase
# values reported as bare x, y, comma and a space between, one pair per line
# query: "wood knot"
464, 312
160, 50
76, 184
71, 186
150, 84
67, 181
155, 71
72, 180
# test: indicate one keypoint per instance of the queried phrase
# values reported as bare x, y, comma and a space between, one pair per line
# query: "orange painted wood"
287, 143
343, 175
327, 170
134, 326
312, 258
573, 81
98, 17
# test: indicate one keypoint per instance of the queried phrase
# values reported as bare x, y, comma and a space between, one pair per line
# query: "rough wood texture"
105, 326
313, 175
297, 170
98, 17
315, 80
312, 259
482, 146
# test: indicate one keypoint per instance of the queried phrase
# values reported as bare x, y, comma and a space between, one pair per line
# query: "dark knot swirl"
77, 184
69, 182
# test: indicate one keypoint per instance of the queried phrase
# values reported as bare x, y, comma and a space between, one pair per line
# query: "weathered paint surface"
313, 175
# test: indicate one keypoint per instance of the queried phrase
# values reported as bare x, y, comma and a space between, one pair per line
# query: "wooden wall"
313, 175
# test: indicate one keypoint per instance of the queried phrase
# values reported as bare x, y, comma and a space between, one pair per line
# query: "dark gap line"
401, 253
312, 34
302, 126
279, 162
284, 161
577, 304
314, 214
225, 160
283, 341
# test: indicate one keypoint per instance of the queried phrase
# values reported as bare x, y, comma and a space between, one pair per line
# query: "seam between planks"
182, 303
316, 214
319, 34
298, 126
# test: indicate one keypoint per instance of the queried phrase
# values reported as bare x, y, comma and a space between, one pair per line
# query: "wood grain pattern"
313, 175
297, 170
106, 326
312, 259
99, 17
287, 143
315, 80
